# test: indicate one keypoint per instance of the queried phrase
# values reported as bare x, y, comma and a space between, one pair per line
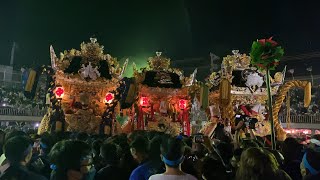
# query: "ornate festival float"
163, 100
244, 86
84, 90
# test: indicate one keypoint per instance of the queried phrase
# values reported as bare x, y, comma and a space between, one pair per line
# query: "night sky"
180, 29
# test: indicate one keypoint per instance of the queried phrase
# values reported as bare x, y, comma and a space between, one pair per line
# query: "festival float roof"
165, 86
247, 82
86, 76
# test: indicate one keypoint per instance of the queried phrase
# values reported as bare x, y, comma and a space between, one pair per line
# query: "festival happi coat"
163, 97
86, 83
238, 84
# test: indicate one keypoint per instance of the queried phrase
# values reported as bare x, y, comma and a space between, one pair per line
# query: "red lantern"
109, 98
182, 103
59, 92
144, 101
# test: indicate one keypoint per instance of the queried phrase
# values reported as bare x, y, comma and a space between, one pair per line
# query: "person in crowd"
127, 162
236, 158
315, 142
213, 169
310, 165
96, 144
139, 149
72, 160
18, 152
192, 161
258, 164
279, 157
172, 154
40, 162
110, 157
4, 164
292, 152
82, 136
2, 136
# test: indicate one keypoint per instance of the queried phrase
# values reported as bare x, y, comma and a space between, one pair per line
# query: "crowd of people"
143, 155
12, 97
297, 106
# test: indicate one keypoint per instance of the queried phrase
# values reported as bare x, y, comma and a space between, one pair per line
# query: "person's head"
72, 158
18, 150
82, 136
198, 149
14, 133
279, 157
310, 163
291, 149
155, 152
172, 152
315, 143
248, 143
139, 148
46, 143
109, 153
96, 147
255, 163
213, 169
236, 158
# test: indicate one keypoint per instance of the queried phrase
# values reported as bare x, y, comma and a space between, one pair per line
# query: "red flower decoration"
182, 104
144, 101
109, 97
59, 92
272, 42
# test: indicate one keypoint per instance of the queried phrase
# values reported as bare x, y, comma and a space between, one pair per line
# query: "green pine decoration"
266, 54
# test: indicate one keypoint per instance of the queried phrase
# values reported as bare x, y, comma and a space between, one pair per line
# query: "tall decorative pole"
12, 53
270, 113
265, 55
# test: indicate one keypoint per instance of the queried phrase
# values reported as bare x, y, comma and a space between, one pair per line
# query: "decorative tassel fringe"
225, 93
307, 94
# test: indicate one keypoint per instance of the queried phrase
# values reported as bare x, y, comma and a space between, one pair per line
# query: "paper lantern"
109, 98
59, 92
182, 104
144, 101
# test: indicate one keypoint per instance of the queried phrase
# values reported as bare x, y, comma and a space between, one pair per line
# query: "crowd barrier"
21, 112
307, 119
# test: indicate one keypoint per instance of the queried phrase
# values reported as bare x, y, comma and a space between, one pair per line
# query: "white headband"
315, 141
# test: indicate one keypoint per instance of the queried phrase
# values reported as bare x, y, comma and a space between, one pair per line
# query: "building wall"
6, 73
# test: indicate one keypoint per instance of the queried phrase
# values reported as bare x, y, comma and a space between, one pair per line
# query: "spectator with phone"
18, 151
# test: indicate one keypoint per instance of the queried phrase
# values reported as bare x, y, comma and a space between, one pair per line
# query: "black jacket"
20, 173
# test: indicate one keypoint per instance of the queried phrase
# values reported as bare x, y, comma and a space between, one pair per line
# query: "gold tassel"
30, 81
131, 93
307, 95
58, 126
225, 92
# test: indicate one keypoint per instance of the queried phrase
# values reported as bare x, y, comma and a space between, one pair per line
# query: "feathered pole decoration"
265, 55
